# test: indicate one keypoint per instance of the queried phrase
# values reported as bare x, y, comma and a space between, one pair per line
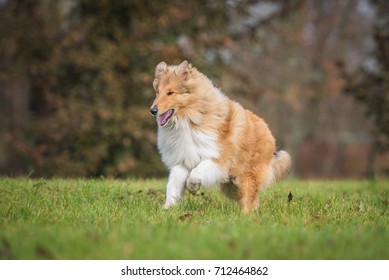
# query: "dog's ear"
160, 69
183, 69
155, 84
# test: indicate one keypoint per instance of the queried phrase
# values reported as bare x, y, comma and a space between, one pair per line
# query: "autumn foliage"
76, 79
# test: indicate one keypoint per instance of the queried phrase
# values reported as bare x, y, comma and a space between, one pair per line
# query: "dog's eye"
170, 93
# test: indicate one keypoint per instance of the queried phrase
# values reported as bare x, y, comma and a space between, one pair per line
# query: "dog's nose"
154, 110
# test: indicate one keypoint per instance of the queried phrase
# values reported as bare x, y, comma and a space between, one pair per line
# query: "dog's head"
172, 94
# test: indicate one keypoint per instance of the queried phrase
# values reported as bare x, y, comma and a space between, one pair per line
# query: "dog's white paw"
171, 202
168, 204
194, 182
193, 187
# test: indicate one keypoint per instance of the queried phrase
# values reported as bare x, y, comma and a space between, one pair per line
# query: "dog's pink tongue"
162, 119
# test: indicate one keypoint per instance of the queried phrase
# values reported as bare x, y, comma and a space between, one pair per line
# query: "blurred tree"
289, 77
370, 85
85, 77
75, 78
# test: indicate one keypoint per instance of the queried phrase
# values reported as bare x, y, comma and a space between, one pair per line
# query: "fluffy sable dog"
206, 139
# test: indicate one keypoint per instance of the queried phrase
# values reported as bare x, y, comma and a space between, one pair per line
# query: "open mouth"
163, 118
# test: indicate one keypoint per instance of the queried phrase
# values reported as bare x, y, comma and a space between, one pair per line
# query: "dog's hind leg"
249, 186
248, 198
176, 185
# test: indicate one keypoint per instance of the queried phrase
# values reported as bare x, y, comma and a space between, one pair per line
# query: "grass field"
113, 219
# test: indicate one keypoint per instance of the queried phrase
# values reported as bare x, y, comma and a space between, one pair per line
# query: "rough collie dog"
206, 139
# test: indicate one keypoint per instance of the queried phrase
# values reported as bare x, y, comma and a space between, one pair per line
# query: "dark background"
76, 80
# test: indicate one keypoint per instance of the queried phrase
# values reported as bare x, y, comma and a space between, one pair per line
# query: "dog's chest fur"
179, 144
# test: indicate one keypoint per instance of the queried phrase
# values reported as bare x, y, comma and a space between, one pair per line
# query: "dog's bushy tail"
281, 165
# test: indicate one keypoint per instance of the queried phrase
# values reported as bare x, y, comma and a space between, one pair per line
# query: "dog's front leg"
208, 173
176, 185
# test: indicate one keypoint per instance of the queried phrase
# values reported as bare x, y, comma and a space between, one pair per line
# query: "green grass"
113, 219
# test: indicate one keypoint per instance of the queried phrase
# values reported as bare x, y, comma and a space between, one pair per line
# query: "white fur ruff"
179, 144
188, 154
